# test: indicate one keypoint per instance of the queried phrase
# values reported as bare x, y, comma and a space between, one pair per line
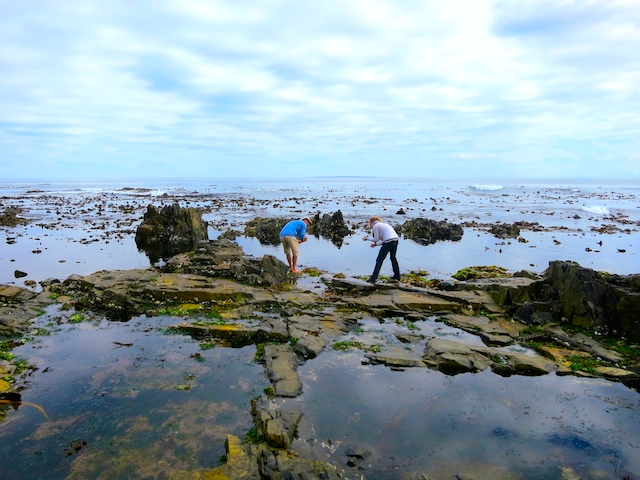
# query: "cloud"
435, 86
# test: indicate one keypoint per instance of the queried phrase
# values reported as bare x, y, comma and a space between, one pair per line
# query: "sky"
294, 88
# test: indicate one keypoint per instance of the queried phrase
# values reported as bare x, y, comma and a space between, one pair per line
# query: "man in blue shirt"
291, 235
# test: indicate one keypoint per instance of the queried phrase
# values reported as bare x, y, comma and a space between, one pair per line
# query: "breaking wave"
486, 188
597, 210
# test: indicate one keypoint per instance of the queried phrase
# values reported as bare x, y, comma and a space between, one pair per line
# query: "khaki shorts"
290, 245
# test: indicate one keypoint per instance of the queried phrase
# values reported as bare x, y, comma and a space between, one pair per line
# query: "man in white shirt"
383, 234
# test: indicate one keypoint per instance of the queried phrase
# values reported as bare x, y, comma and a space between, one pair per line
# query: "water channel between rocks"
127, 400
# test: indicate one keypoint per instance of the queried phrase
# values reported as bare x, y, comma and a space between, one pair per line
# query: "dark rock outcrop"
10, 218
266, 230
589, 299
504, 230
570, 294
224, 258
172, 230
427, 232
331, 226
277, 428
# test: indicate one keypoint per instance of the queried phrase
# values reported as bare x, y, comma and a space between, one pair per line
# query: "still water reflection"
125, 400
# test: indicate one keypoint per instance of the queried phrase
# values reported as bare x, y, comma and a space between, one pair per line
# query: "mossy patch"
473, 273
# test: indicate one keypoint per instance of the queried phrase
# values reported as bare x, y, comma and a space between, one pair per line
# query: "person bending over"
383, 234
291, 235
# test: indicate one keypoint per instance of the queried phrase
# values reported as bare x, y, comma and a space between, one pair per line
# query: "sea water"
123, 400
572, 218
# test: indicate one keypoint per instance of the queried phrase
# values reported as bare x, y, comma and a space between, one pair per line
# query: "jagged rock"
10, 218
527, 274
277, 428
172, 230
504, 230
588, 299
427, 232
266, 270
211, 259
266, 230
306, 331
534, 313
225, 258
330, 226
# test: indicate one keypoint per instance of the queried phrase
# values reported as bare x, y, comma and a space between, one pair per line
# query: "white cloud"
466, 79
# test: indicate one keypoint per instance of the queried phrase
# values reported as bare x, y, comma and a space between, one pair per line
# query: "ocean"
124, 399
78, 227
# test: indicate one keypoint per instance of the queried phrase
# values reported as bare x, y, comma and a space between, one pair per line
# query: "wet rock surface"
330, 226
266, 230
170, 230
426, 232
11, 216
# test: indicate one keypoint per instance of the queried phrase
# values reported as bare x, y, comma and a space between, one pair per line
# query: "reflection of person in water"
291, 235
15, 400
383, 234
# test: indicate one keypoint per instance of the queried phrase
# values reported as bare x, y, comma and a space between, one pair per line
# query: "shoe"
371, 281
395, 279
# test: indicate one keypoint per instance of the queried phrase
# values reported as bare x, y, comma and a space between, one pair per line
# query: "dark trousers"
385, 249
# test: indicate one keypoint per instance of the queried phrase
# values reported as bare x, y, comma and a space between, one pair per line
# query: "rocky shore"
579, 322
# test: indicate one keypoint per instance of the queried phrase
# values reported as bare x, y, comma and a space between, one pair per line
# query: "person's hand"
364, 239
373, 245
303, 240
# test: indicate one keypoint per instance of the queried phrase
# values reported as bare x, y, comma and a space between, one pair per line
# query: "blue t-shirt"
295, 228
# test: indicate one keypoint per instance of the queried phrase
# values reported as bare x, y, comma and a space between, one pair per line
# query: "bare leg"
293, 263
290, 262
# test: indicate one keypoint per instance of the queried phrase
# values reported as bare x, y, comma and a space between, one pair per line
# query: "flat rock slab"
352, 284
12, 293
282, 365
494, 331
453, 357
581, 341
617, 374
402, 300
150, 284
234, 335
397, 358
474, 298
195, 288
416, 301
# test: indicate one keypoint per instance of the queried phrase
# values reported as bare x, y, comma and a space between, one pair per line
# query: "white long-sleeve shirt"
382, 233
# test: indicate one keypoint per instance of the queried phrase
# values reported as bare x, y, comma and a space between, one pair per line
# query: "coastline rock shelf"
571, 321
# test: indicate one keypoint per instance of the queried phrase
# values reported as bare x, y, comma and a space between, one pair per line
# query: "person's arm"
376, 235
302, 233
